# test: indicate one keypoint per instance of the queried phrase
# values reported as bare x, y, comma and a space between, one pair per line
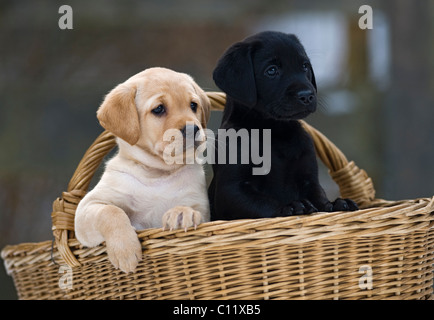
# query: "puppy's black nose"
306, 96
190, 129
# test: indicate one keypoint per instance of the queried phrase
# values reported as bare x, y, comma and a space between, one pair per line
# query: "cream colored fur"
138, 189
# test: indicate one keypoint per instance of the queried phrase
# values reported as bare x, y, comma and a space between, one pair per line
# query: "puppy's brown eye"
193, 106
159, 110
271, 71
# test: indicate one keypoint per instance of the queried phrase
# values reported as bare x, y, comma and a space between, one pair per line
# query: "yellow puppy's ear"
118, 113
206, 112
206, 105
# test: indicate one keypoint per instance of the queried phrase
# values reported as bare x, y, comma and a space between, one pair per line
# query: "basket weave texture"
383, 251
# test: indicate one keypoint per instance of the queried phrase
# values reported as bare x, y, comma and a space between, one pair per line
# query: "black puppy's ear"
301, 48
313, 81
234, 74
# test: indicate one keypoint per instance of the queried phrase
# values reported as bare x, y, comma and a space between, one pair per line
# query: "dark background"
376, 86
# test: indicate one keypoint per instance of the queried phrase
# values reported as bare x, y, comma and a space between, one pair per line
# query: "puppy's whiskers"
323, 103
214, 139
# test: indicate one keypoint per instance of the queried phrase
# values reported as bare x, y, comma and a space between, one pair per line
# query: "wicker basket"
384, 251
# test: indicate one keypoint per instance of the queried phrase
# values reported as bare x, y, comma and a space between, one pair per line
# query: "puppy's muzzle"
190, 134
301, 102
190, 129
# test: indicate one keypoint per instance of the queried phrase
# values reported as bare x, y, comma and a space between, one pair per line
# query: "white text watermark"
229, 147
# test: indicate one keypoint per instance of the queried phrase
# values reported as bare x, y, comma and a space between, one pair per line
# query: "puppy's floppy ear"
301, 48
206, 110
205, 103
313, 77
235, 75
118, 113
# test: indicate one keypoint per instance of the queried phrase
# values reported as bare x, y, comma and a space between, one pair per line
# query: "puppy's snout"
189, 130
306, 97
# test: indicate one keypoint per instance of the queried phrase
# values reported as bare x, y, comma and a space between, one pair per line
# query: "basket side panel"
382, 267
38, 282
385, 267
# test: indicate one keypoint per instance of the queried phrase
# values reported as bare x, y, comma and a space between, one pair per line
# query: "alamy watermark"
66, 280
365, 281
232, 145
366, 20
66, 20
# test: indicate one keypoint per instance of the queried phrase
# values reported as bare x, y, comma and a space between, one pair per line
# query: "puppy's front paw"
181, 217
298, 208
124, 250
341, 205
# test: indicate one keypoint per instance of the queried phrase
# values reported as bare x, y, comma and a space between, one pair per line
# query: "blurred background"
376, 86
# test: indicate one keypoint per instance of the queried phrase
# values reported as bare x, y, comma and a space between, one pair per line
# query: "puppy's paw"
181, 217
341, 205
298, 208
124, 250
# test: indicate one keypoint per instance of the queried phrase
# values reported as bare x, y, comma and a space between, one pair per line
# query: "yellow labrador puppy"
139, 188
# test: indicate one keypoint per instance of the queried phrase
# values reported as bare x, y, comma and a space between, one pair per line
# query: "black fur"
270, 84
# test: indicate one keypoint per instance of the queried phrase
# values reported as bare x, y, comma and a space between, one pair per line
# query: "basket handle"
65, 206
353, 182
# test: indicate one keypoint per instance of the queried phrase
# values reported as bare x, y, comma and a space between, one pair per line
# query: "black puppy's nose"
189, 129
306, 96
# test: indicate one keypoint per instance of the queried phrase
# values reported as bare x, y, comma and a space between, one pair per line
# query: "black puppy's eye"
159, 110
271, 71
306, 66
193, 106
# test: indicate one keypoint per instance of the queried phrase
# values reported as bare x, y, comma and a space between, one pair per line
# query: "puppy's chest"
166, 190
144, 196
288, 149
290, 158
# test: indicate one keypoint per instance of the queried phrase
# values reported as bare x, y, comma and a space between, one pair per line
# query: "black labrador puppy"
269, 84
